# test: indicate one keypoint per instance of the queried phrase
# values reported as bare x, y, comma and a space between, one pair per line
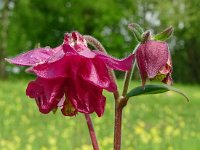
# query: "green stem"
120, 102
127, 79
126, 82
119, 105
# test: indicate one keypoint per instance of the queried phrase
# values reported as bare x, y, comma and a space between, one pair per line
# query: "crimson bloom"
154, 61
70, 76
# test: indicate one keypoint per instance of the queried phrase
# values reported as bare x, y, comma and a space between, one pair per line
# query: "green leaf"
153, 89
137, 31
136, 26
164, 35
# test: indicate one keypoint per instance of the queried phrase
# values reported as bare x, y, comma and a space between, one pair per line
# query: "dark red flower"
154, 61
71, 76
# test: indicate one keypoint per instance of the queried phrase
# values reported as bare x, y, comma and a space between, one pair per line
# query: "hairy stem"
119, 105
126, 82
92, 132
117, 127
127, 79
120, 102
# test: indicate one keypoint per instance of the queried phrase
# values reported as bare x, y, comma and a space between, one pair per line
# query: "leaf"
164, 35
137, 31
154, 89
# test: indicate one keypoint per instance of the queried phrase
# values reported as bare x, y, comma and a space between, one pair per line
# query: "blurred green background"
158, 122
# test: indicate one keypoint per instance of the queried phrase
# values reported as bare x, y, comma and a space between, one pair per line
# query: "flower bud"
154, 61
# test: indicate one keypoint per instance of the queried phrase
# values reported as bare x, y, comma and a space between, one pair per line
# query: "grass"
157, 122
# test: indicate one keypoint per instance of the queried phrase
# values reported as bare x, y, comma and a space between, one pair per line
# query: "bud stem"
119, 105
120, 102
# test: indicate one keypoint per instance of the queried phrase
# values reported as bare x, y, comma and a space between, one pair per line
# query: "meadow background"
158, 122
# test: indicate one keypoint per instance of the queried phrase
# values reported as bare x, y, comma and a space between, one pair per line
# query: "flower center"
75, 39
69, 109
159, 77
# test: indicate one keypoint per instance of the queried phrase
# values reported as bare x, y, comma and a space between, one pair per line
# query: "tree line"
24, 23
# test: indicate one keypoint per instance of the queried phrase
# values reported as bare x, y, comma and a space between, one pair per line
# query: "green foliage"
164, 35
154, 89
137, 31
157, 122
45, 22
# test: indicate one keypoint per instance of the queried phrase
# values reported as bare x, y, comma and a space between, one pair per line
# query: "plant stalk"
119, 105
92, 132
117, 127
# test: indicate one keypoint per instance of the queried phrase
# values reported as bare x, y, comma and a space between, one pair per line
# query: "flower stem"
120, 102
92, 132
117, 127
119, 105
126, 82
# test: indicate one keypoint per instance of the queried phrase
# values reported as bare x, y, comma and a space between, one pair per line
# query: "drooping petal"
168, 66
99, 105
47, 93
96, 72
151, 57
117, 64
58, 54
85, 97
142, 66
65, 67
168, 80
32, 57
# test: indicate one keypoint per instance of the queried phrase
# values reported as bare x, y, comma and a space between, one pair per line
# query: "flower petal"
32, 57
65, 67
81, 51
117, 64
141, 65
85, 97
58, 54
96, 72
47, 93
168, 80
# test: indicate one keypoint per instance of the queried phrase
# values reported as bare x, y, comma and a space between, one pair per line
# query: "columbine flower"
70, 76
154, 61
